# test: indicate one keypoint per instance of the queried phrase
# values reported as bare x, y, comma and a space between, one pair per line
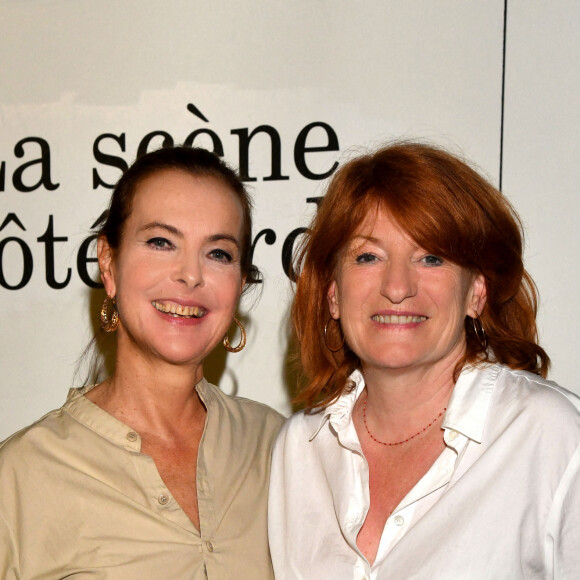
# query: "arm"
563, 534
8, 558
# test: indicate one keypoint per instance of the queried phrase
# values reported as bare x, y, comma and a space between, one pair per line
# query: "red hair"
450, 211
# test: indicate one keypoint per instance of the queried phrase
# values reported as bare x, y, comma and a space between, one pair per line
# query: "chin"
393, 356
180, 356
394, 365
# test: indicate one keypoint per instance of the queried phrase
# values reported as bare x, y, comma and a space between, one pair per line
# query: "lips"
398, 318
179, 311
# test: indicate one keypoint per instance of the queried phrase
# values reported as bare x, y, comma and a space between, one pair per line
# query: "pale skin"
402, 311
180, 247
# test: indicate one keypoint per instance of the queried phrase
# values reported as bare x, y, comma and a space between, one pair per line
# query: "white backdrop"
83, 82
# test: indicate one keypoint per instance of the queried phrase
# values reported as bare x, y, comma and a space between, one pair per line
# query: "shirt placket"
423, 495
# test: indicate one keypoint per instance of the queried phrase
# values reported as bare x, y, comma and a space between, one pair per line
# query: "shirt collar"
466, 411
205, 392
339, 413
470, 400
98, 420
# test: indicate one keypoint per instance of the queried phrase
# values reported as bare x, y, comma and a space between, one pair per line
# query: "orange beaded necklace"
397, 442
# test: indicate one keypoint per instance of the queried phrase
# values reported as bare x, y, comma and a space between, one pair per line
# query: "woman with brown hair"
431, 444
153, 473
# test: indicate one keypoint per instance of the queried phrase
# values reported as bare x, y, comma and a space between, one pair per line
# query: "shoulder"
535, 393
242, 410
45, 425
306, 421
301, 429
30, 447
534, 412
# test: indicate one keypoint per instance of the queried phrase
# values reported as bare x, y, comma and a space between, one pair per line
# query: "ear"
106, 266
478, 296
332, 297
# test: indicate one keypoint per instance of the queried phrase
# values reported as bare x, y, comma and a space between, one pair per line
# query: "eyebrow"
373, 240
166, 227
361, 238
225, 237
175, 231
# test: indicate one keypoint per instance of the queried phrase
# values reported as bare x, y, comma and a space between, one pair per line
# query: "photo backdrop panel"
265, 86
541, 164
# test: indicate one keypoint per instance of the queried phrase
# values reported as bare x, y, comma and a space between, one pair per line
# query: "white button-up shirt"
501, 501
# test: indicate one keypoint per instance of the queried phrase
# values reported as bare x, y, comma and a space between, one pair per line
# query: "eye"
365, 258
160, 243
431, 260
221, 256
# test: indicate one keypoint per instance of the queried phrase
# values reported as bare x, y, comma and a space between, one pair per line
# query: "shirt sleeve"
8, 566
564, 523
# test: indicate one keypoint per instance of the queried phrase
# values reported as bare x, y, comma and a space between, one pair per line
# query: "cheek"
456, 309
353, 286
137, 276
134, 278
451, 291
227, 289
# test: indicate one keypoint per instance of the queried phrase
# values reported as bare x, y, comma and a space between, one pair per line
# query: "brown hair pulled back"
195, 161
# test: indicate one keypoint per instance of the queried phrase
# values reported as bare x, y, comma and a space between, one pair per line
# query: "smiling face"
176, 275
399, 306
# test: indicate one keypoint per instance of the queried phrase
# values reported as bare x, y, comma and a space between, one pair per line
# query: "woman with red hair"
431, 443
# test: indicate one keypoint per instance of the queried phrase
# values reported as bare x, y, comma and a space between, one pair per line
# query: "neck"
398, 400
152, 396
396, 392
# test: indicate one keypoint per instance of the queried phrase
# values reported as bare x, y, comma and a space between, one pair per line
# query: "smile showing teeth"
396, 319
176, 310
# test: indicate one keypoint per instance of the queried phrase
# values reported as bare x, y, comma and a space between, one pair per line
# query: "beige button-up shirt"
79, 499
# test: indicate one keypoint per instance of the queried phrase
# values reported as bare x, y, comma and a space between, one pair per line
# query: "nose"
399, 281
190, 270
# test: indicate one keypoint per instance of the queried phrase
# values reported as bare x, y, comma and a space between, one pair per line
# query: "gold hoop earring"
479, 331
241, 344
109, 325
326, 337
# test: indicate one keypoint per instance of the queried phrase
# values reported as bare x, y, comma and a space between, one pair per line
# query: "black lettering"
43, 161
144, 145
106, 159
49, 239
300, 150
193, 109
244, 156
2, 176
83, 259
269, 236
26, 264
218, 148
288, 253
12, 217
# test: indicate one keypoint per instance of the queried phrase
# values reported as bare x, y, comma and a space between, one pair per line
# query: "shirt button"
132, 436
209, 546
162, 499
399, 520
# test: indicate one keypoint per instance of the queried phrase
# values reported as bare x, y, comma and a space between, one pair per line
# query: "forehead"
179, 196
379, 222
